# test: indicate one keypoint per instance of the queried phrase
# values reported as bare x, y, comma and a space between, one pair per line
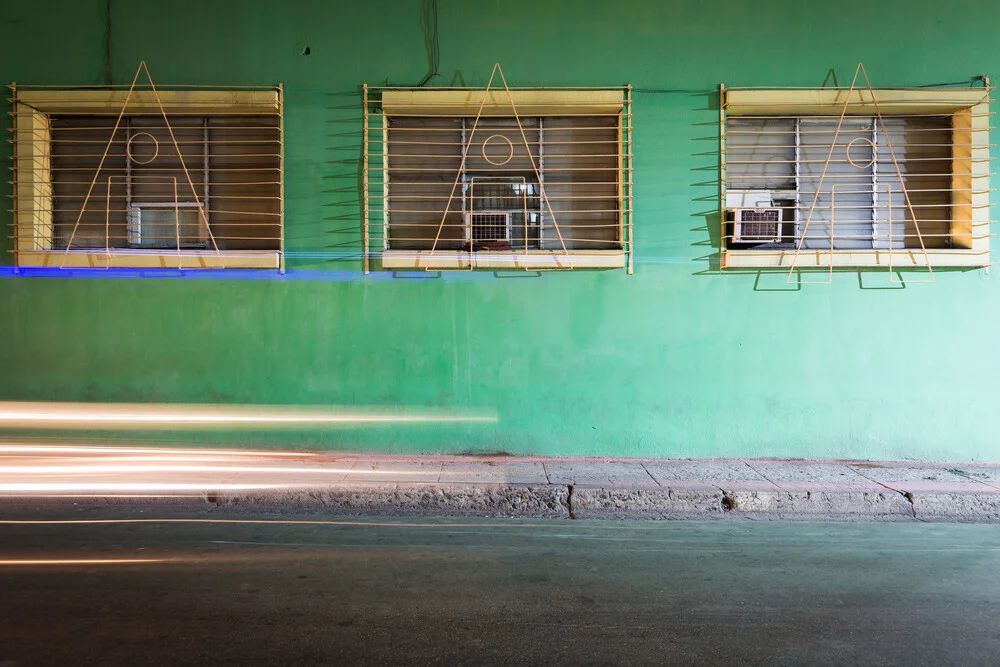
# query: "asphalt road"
386, 591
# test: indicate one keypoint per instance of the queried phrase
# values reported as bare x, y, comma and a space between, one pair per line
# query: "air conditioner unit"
166, 225
756, 225
489, 227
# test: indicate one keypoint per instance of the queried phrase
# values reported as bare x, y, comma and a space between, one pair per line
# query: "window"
139, 177
461, 179
855, 178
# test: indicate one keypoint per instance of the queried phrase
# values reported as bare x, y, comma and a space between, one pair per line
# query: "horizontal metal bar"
102, 128
158, 114
481, 129
473, 89
944, 88
837, 116
396, 197
562, 226
868, 207
213, 185
494, 170
435, 223
167, 169
124, 239
863, 191
906, 145
141, 86
858, 132
153, 198
475, 104
167, 156
458, 156
101, 209
547, 142
886, 161
613, 244
122, 142
588, 114
860, 175
444, 184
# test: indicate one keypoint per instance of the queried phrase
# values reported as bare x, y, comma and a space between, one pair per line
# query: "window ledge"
532, 261
811, 259
151, 259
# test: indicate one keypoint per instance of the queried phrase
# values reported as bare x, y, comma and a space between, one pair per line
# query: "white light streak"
24, 415
112, 469
118, 487
87, 449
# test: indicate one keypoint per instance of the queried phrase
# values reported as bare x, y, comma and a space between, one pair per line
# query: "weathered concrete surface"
342, 483
968, 507
595, 503
459, 499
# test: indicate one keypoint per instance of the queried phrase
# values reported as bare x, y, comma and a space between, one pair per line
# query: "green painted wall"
676, 360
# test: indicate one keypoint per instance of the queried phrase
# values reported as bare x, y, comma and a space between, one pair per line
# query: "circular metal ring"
156, 148
847, 152
510, 152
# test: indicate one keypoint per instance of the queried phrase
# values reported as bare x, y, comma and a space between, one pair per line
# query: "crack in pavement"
765, 477
962, 473
641, 465
906, 494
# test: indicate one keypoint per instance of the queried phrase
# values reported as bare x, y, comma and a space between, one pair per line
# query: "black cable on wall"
429, 24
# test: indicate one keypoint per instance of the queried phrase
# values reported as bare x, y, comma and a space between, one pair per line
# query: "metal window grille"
147, 168
563, 181
851, 175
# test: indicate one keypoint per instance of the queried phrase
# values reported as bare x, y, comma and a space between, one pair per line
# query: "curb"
617, 503
558, 501
542, 501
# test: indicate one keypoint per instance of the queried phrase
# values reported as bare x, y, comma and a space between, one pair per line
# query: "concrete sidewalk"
507, 486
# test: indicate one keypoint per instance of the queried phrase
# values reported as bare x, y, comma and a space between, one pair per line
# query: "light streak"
86, 449
58, 472
81, 561
278, 522
114, 487
32, 415
97, 469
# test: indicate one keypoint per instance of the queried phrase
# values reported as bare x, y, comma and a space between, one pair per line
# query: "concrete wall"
676, 360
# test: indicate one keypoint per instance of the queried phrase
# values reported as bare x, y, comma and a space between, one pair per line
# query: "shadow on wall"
344, 182
341, 185
707, 140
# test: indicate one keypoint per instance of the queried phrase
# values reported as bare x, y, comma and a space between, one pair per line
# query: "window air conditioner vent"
166, 225
490, 227
757, 225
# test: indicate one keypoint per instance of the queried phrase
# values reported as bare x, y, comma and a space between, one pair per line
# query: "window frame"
382, 103
33, 182
970, 220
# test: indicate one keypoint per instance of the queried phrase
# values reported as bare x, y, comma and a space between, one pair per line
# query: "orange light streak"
81, 561
131, 415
